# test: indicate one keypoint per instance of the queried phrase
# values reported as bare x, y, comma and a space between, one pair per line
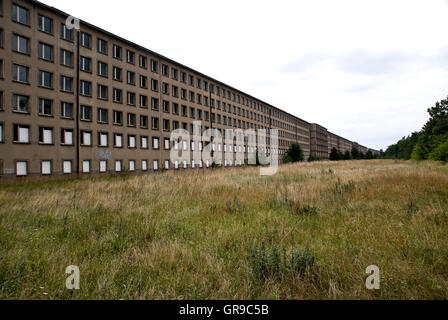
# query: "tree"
334, 155
423, 145
369, 155
295, 153
355, 153
347, 155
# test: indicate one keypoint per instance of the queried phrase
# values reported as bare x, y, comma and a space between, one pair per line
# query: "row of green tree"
430, 143
355, 154
295, 154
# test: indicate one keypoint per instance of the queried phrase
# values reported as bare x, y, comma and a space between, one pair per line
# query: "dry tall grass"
189, 235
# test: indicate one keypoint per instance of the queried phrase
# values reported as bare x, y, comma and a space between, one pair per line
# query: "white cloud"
366, 70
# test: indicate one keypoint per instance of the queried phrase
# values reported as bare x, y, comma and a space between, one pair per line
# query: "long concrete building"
89, 102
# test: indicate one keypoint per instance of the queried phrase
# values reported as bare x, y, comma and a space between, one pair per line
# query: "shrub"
335, 155
275, 262
295, 152
440, 153
347, 155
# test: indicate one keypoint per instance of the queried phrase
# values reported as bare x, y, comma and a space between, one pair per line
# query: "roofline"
112, 35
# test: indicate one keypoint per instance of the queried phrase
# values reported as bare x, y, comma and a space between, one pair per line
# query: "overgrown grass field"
308, 232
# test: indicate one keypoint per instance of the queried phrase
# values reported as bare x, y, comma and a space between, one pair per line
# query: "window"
191, 80
67, 137
86, 166
165, 88
118, 118
154, 66
85, 64
86, 138
175, 73
175, 108
117, 52
154, 104
45, 51
156, 165
184, 111
67, 167
131, 142
117, 165
130, 56
103, 139
144, 142
130, 98
45, 24
166, 106
21, 134
20, 103
143, 101
131, 120
144, 165
103, 92
118, 72
117, 95
86, 40
66, 33
86, 88
66, 110
66, 58
102, 69
131, 165
45, 79
166, 144
167, 164
175, 91
144, 122
155, 123
143, 62
103, 166
1, 38
165, 70
21, 44
166, 125
183, 77
45, 167
66, 84
20, 73
45, 135
118, 140
102, 46
86, 113
103, 115
130, 78
154, 85
45, 107
21, 168
1, 133
143, 82
155, 143
20, 14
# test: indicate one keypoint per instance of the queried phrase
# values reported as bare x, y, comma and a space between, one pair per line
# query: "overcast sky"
366, 70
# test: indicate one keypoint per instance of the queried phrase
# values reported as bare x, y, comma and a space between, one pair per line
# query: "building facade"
90, 102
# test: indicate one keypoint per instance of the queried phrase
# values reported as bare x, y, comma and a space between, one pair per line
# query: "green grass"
308, 232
